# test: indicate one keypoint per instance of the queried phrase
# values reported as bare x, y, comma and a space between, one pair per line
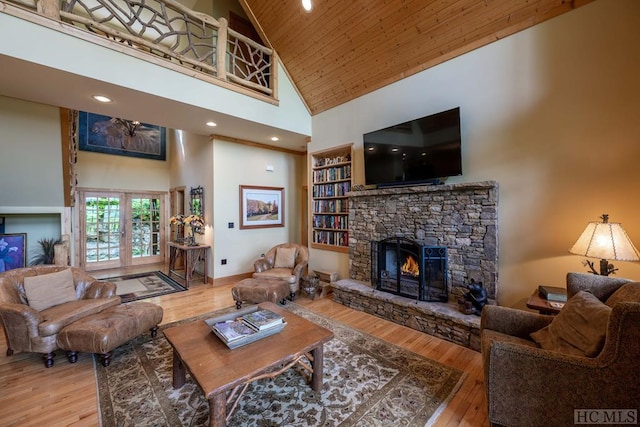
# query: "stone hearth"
442, 320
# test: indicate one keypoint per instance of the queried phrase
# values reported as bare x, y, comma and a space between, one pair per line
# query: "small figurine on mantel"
474, 299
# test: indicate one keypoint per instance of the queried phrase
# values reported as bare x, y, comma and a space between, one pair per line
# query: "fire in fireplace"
410, 267
404, 267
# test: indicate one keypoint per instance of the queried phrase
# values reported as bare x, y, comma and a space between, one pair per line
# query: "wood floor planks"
65, 395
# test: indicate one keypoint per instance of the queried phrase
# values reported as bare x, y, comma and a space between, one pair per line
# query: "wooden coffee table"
218, 369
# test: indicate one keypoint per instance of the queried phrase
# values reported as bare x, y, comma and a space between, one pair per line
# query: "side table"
538, 302
190, 256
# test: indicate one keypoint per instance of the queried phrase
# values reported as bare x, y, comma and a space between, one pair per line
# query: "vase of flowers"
178, 221
195, 223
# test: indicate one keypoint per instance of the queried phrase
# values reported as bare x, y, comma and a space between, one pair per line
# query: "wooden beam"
68, 187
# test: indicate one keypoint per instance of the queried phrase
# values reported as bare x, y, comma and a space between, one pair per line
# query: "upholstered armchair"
55, 296
286, 261
527, 385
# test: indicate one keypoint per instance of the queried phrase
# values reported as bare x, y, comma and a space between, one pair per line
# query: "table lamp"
605, 240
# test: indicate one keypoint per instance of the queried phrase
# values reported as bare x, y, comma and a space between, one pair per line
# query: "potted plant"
47, 251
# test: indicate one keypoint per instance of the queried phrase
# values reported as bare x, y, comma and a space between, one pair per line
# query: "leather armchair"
529, 386
28, 329
266, 268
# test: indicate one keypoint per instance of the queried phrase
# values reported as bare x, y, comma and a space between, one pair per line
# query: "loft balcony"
165, 33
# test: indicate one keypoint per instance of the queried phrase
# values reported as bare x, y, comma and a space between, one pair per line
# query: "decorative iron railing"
169, 30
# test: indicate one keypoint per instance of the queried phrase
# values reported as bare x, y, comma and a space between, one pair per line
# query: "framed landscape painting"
113, 135
13, 251
261, 207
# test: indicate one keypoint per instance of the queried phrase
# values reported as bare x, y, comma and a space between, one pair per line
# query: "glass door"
120, 229
101, 224
144, 222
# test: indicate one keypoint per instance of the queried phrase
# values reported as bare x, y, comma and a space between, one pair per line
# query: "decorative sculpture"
474, 299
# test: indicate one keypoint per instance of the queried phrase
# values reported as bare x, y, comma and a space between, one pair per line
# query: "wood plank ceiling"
344, 49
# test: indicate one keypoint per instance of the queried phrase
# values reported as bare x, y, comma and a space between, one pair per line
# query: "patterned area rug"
145, 285
367, 382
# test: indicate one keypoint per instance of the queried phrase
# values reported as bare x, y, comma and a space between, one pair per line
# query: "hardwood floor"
65, 395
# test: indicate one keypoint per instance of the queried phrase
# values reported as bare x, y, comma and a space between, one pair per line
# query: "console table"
190, 257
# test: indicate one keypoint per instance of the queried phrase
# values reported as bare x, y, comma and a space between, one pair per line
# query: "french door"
118, 229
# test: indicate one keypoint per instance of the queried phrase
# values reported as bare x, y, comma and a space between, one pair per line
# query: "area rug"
139, 286
367, 382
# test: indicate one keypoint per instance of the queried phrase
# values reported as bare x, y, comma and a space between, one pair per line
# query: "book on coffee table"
262, 319
234, 332
231, 330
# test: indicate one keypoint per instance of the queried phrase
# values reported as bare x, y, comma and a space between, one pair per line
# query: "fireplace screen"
403, 267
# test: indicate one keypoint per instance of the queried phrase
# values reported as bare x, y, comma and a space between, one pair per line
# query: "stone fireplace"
461, 218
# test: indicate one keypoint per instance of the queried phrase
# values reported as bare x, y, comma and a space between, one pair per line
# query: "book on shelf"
553, 293
262, 319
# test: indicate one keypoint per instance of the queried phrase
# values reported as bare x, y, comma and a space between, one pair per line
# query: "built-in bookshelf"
331, 181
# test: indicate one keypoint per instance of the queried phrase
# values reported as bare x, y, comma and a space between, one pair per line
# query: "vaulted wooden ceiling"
343, 49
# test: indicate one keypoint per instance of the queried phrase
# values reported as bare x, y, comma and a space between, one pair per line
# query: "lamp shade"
605, 240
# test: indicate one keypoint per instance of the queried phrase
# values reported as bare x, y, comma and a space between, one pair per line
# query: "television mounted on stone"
420, 151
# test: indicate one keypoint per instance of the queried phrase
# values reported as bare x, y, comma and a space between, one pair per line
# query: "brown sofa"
271, 266
28, 329
529, 386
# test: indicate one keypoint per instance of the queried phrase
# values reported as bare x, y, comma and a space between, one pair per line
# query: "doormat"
367, 382
134, 287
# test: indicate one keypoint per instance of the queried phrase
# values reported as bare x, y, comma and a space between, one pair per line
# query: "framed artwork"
261, 207
13, 251
112, 135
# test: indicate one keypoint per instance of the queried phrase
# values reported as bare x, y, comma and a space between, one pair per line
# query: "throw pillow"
579, 329
627, 292
51, 289
285, 258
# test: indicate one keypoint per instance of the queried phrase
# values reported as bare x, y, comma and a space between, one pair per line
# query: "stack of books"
262, 319
553, 293
248, 327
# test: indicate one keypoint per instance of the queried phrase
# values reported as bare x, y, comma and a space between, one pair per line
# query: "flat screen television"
420, 151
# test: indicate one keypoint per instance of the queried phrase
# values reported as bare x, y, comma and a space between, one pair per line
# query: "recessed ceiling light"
101, 98
306, 4
394, 149
275, 138
212, 124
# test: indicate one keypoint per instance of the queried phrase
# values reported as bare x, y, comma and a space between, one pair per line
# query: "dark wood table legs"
317, 364
179, 372
218, 410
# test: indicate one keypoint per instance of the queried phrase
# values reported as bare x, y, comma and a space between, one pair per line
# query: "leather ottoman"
255, 291
102, 332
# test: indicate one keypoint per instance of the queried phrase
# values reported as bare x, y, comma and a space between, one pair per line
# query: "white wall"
192, 166
235, 165
31, 192
98, 170
551, 114
30, 159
